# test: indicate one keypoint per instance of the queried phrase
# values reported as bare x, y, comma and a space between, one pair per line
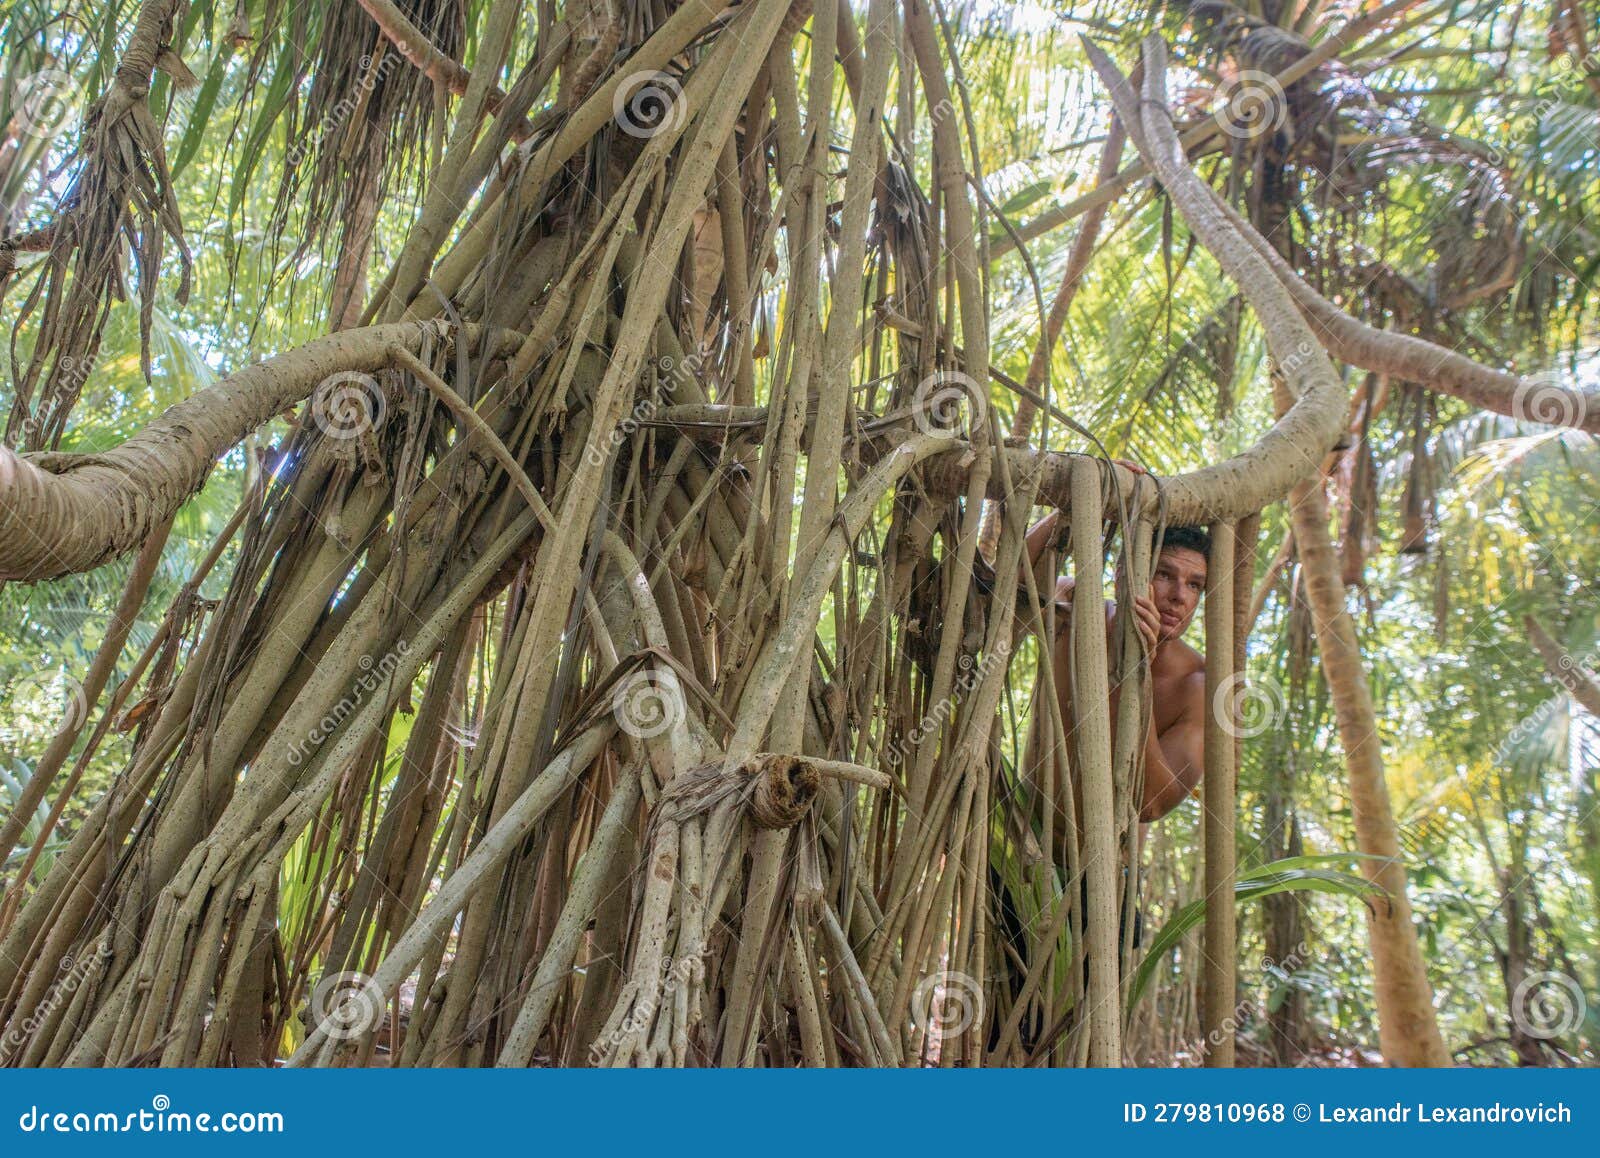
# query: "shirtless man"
1174, 743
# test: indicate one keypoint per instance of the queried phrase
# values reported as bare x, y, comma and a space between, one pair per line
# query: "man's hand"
1148, 620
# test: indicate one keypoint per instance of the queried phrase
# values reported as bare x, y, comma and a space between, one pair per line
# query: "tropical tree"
609, 662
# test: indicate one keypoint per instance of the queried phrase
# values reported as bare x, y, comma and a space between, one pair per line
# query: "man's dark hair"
1193, 538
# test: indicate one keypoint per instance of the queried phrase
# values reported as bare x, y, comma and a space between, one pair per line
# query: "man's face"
1176, 587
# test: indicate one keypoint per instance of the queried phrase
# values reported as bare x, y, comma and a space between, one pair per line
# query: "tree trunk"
1408, 1031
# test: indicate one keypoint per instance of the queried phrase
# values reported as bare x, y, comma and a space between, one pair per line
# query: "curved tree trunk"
1408, 1031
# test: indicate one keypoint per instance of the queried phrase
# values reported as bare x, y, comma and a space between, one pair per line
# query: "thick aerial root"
63, 514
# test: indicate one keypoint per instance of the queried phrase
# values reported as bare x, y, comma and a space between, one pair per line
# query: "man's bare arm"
1049, 529
1174, 760
1041, 534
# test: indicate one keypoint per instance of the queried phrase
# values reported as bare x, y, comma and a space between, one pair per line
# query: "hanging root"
120, 188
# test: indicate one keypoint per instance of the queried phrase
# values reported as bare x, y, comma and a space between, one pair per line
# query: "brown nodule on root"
783, 788
777, 789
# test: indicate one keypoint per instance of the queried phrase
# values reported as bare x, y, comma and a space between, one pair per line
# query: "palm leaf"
1289, 874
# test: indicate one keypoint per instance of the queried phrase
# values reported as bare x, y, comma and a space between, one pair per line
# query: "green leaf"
200, 115
1291, 874
1026, 196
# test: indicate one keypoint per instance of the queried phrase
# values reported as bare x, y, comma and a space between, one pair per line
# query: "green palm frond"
1290, 874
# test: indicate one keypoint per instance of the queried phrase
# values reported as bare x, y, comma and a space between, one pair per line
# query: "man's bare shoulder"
1179, 680
1180, 663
